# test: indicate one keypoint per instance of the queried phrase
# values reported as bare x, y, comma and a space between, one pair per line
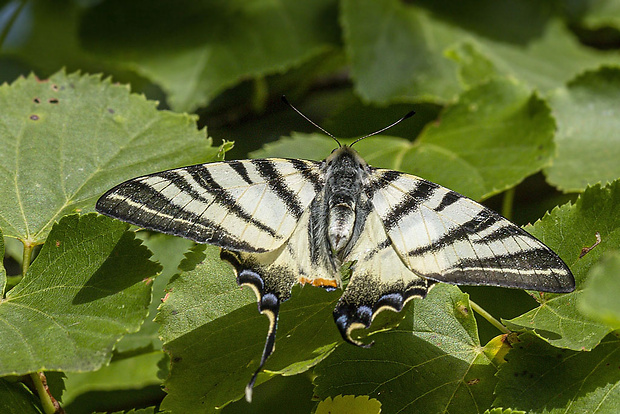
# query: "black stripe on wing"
483, 220
411, 201
537, 269
138, 203
275, 180
222, 196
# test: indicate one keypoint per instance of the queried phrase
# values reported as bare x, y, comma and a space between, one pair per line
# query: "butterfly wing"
304, 258
249, 205
380, 280
417, 232
444, 236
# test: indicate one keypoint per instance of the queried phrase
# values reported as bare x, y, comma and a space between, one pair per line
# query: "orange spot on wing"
319, 282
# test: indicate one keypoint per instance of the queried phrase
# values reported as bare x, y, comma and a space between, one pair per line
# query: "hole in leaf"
34, 117
36, 100
52, 100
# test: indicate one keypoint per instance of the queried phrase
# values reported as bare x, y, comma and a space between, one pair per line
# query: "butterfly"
280, 222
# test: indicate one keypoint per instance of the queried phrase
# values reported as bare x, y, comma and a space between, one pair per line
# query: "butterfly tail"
268, 305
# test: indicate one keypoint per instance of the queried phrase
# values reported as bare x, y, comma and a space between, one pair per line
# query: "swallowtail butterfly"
285, 221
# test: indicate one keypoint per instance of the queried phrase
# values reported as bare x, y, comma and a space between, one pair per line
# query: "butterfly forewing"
447, 237
251, 205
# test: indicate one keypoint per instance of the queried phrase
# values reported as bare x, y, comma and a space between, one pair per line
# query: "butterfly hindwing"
442, 235
249, 205
380, 280
302, 259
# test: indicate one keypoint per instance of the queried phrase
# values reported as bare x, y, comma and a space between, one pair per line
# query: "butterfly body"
281, 222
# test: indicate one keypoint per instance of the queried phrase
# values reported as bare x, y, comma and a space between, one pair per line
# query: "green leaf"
349, 404
2, 269
204, 291
588, 115
539, 378
399, 56
432, 362
15, 398
474, 67
89, 286
210, 325
567, 230
68, 139
279, 395
600, 14
168, 251
406, 53
493, 137
504, 411
149, 410
600, 295
209, 45
131, 373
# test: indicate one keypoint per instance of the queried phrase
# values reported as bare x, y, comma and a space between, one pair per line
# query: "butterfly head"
346, 156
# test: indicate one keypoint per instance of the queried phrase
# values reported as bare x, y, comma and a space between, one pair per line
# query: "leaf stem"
507, 203
50, 405
486, 315
26, 257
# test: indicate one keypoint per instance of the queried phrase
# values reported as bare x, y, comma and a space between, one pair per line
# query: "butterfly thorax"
344, 174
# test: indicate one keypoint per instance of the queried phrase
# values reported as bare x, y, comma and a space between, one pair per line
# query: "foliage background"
517, 105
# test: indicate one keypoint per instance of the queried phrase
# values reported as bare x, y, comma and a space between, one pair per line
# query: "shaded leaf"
279, 395
567, 230
601, 13
89, 286
504, 411
204, 291
588, 114
68, 139
349, 404
210, 325
168, 251
600, 295
405, 54
209, 45
540, 378
131, 373
392, 59
15, 398
432, 362
2, 269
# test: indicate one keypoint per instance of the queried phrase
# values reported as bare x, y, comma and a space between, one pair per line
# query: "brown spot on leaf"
473, 381
34, 117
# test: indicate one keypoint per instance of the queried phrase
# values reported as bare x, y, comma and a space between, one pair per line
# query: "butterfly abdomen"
344, 174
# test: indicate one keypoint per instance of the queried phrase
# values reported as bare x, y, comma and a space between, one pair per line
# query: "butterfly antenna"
409, 115
310, 120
